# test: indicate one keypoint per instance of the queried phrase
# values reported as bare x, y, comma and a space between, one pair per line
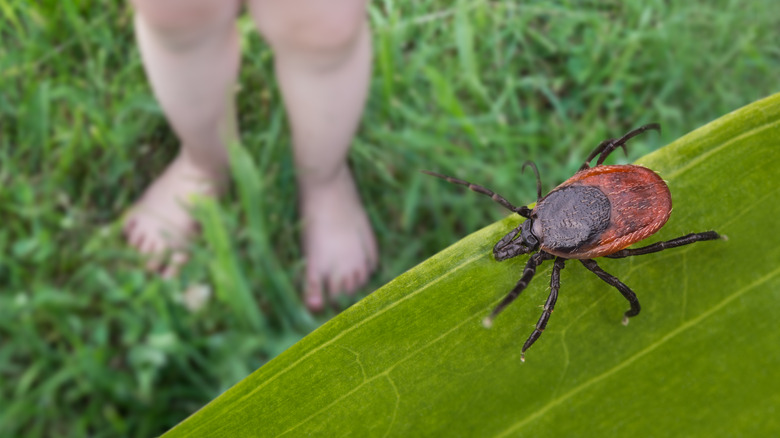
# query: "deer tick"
598, 212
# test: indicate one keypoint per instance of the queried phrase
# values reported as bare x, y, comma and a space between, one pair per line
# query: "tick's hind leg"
617, 284
660, 246
599, 149
555, 284
607, 146
528, 274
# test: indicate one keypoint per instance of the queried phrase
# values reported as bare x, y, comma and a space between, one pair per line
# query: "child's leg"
323, 63
190, 52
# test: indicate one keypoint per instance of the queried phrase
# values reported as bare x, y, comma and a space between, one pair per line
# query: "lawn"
91, 344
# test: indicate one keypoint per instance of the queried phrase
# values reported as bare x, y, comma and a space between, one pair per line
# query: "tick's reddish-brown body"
638, 204
600, 211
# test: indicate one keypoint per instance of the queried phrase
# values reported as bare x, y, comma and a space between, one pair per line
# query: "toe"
335, 286
149, 246
349, 284
361, 277
138, 241
175, 262
127, 230
313, 294
132, 235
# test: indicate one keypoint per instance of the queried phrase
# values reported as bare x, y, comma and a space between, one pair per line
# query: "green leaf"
700, 360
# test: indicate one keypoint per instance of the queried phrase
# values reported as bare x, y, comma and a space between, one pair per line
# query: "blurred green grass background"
91, 344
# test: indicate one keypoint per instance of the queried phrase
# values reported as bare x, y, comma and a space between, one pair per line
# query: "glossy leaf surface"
412, 359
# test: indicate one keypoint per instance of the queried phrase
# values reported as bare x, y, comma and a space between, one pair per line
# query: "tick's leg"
600, 148
614, 282
660, 246
621, 142
508, 247
607, 146
522, 211
538, 178
555, 284
528, 274
510, 236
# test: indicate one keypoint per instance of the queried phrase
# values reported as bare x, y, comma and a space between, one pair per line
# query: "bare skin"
160, 225
339, 241
190, 50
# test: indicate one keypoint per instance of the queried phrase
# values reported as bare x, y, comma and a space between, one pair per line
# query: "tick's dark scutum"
571, 217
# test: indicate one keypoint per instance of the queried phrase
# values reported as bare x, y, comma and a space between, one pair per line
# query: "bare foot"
338, 240
159, 225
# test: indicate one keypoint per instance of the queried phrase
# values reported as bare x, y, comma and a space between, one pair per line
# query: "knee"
333, 28
185, 22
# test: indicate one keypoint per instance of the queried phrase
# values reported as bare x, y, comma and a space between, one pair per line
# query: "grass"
93, 345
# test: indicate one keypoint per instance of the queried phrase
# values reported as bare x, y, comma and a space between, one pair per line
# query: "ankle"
317, 179
213, 162
213, 175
